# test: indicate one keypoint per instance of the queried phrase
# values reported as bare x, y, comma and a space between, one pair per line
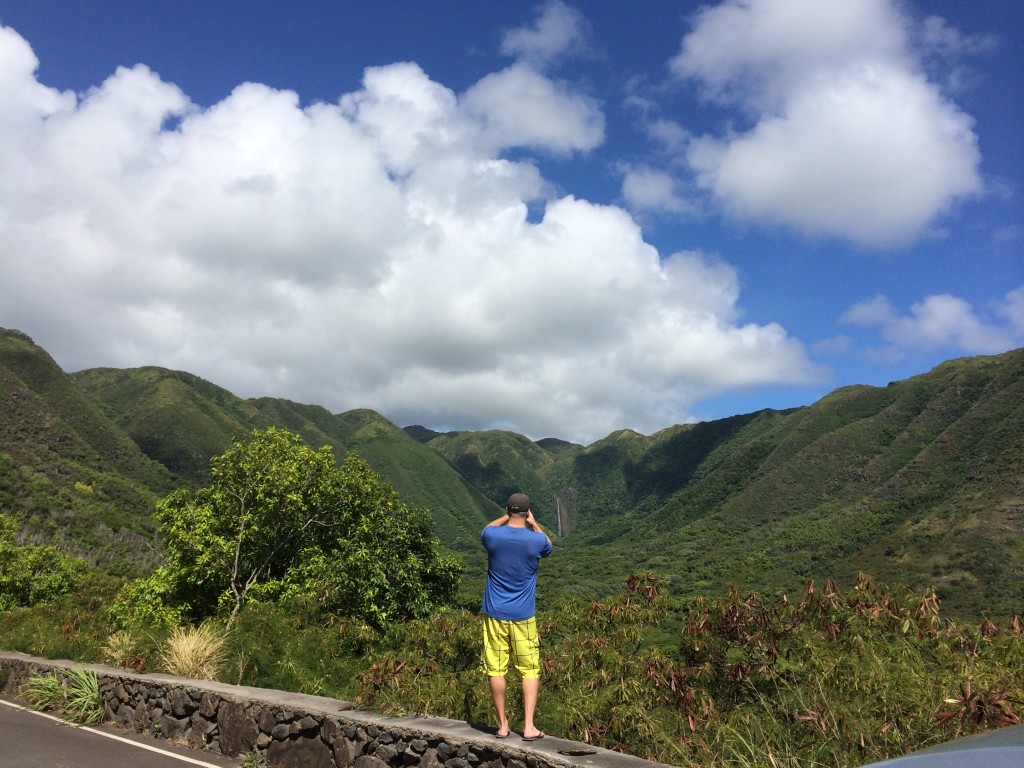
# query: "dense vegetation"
280, 520
831, 679
837, 680
33, 575
917, 483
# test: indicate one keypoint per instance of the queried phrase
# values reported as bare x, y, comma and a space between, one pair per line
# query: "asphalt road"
34, 740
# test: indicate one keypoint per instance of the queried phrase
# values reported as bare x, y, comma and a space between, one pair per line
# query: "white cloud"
667, 133
756, 53
521, 107
17, 64
560, 30
943, 47
372, 253
941, 322
646, 188
1012, 309
848, 137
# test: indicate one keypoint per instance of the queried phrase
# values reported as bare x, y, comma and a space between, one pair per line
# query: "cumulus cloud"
560, 30
845, 135
1013, 310
651, 189
521, 107
373, 252
941, 322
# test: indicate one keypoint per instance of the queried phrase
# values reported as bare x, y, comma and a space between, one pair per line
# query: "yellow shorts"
517, 641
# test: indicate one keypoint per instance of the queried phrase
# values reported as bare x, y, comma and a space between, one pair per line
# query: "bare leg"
531, 687
498, 697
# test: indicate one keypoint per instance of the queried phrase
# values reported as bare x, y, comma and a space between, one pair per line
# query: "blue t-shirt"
513, 555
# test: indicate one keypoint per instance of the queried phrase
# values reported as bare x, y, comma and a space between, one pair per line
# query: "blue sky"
561, 219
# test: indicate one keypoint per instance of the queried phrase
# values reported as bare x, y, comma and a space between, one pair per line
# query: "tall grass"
834, 680
76, 695
42, 692
83, 702
198, 653
122, 649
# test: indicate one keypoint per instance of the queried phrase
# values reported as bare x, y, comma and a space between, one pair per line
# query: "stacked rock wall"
293, 730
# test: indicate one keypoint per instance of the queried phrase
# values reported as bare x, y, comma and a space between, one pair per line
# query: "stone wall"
293, 730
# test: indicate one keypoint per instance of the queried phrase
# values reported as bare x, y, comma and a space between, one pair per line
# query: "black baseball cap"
518, 502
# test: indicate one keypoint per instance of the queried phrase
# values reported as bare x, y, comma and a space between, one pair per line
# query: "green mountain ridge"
919, 482
182, 421
67, 473
177, 419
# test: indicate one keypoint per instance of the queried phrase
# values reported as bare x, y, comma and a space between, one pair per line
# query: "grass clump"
122, 650
198, 652
42, 692
255, 759
75, 694
83, 702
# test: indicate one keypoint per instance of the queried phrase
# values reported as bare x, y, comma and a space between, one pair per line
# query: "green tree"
280, 519
386, 563
32, 575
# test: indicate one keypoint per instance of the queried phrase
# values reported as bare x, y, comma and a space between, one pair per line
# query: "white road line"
114, 736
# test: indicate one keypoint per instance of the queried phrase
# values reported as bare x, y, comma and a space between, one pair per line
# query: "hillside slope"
920, 482
67, 472
421, 477
181, 421
177, 419
589, 487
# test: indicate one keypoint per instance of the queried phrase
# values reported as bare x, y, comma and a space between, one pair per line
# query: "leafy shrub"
831, 678
148, 602
34, 575
292, 646
427, 667
69, 627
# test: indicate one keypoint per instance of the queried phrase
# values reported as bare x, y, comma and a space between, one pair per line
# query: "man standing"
515, 544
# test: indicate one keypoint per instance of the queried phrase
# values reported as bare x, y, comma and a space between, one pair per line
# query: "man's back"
513, 555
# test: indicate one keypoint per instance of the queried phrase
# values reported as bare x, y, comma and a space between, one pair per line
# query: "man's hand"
532, 522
